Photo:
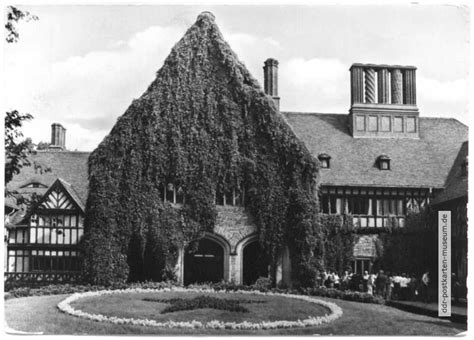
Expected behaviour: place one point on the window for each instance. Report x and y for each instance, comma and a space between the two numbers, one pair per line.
383, 162
54, 261
34, 185
180, 196
18, 235
360, 265
332, 205
324, 160
172, 193
239, 198
360, 123
398, 124
384, 165
411, 124
359, 205
18, 261
385, 124
367, 211
229, 197
373, 122
232, 197
325, 204
219, 198
416, 204
55, 229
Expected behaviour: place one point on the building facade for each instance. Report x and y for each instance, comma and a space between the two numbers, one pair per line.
378, 163
383, 160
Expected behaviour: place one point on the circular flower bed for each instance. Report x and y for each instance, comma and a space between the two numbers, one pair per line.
336, 311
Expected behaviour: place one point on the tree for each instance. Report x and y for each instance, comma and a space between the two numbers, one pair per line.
43, 146
14, 15
16, 149
16, 152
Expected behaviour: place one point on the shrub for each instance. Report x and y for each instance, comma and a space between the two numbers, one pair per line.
262, 284
204, 301
345, 295
229, 286
220, 286
21, 291
58, 289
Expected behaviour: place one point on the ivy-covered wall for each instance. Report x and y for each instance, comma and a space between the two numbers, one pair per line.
338, 240
409, 249
205, 125
412, 248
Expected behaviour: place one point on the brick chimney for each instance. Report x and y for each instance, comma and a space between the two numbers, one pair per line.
270, 80
58, 137
383, 101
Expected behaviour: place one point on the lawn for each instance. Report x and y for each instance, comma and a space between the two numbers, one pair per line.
266, 308
40, 314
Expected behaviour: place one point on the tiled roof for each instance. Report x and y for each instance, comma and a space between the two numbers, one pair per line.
70, 190
456, 185
423, 162
70, 166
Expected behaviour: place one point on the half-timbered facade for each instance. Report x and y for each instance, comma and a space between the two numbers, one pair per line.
42, 240
45, 243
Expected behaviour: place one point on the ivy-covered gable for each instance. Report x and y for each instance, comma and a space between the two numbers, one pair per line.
206, 126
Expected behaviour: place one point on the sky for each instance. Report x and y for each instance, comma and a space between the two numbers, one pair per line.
82, 66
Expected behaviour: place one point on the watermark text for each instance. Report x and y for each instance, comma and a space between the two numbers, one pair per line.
444, 263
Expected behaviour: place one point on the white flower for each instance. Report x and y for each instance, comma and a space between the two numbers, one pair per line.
336, 311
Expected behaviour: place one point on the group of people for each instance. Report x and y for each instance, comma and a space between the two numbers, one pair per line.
388, 285
400, 286
331, 279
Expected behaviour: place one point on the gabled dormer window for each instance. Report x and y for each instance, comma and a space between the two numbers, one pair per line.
34, 185
464, 167
324, 160
383, 162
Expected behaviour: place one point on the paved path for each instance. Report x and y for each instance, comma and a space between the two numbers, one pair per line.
458, 312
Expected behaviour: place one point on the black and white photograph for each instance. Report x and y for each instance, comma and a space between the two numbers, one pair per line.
236, 169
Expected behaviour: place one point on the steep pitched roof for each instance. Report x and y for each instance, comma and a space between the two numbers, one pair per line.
70, 190
70, 166
423, 162
456, 185
64, 189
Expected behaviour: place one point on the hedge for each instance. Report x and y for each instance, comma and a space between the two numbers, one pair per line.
221, 286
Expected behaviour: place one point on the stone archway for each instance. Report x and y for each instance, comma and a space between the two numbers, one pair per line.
205, 260
254, 264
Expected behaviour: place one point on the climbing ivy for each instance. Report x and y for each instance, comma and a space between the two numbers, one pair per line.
412, 248
338, 241
205, 125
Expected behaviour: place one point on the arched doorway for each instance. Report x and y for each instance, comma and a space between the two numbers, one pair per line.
203, 262
254, 263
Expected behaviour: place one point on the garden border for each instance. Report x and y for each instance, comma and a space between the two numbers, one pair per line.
336, 311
